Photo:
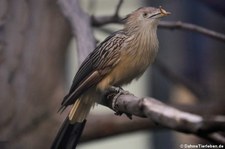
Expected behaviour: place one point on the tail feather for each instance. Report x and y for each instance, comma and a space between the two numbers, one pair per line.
68, 135
79, 111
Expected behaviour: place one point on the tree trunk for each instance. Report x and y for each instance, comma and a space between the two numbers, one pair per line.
33, 40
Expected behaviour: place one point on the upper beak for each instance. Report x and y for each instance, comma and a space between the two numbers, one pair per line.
163, 12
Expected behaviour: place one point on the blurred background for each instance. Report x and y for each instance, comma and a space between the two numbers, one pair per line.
38, 60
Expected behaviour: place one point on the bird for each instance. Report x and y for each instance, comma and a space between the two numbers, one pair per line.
120, 58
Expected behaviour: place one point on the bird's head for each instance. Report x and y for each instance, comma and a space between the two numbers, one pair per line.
144, 18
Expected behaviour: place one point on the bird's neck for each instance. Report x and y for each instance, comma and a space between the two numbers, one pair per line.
145, 41
146, 37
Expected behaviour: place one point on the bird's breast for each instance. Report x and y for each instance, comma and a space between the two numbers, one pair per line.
132, 66
133, 63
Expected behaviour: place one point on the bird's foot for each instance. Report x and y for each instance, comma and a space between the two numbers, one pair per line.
115, 92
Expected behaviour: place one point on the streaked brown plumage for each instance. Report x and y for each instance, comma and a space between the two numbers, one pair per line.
119, 59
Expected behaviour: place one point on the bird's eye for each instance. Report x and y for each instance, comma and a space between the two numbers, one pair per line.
145, 15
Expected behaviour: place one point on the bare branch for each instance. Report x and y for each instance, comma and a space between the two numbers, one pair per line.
99, 21
121, 125
164, 115
193, 28
103, 20
80, 23
118, 8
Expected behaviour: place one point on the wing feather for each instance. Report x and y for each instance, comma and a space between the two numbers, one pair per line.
87, 83
98, 63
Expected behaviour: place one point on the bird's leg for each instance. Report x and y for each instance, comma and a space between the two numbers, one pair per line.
115, 92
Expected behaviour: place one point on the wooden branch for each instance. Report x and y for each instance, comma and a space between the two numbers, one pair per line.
81, 26
118, 8
164, 115
193, 28
98, 21
103, 20
102, 126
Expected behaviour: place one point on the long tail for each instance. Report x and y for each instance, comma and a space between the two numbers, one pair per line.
80, 110
68, 135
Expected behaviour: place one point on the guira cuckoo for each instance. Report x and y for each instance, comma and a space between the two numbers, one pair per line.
120, 58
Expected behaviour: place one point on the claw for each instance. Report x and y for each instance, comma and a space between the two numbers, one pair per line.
119, 91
